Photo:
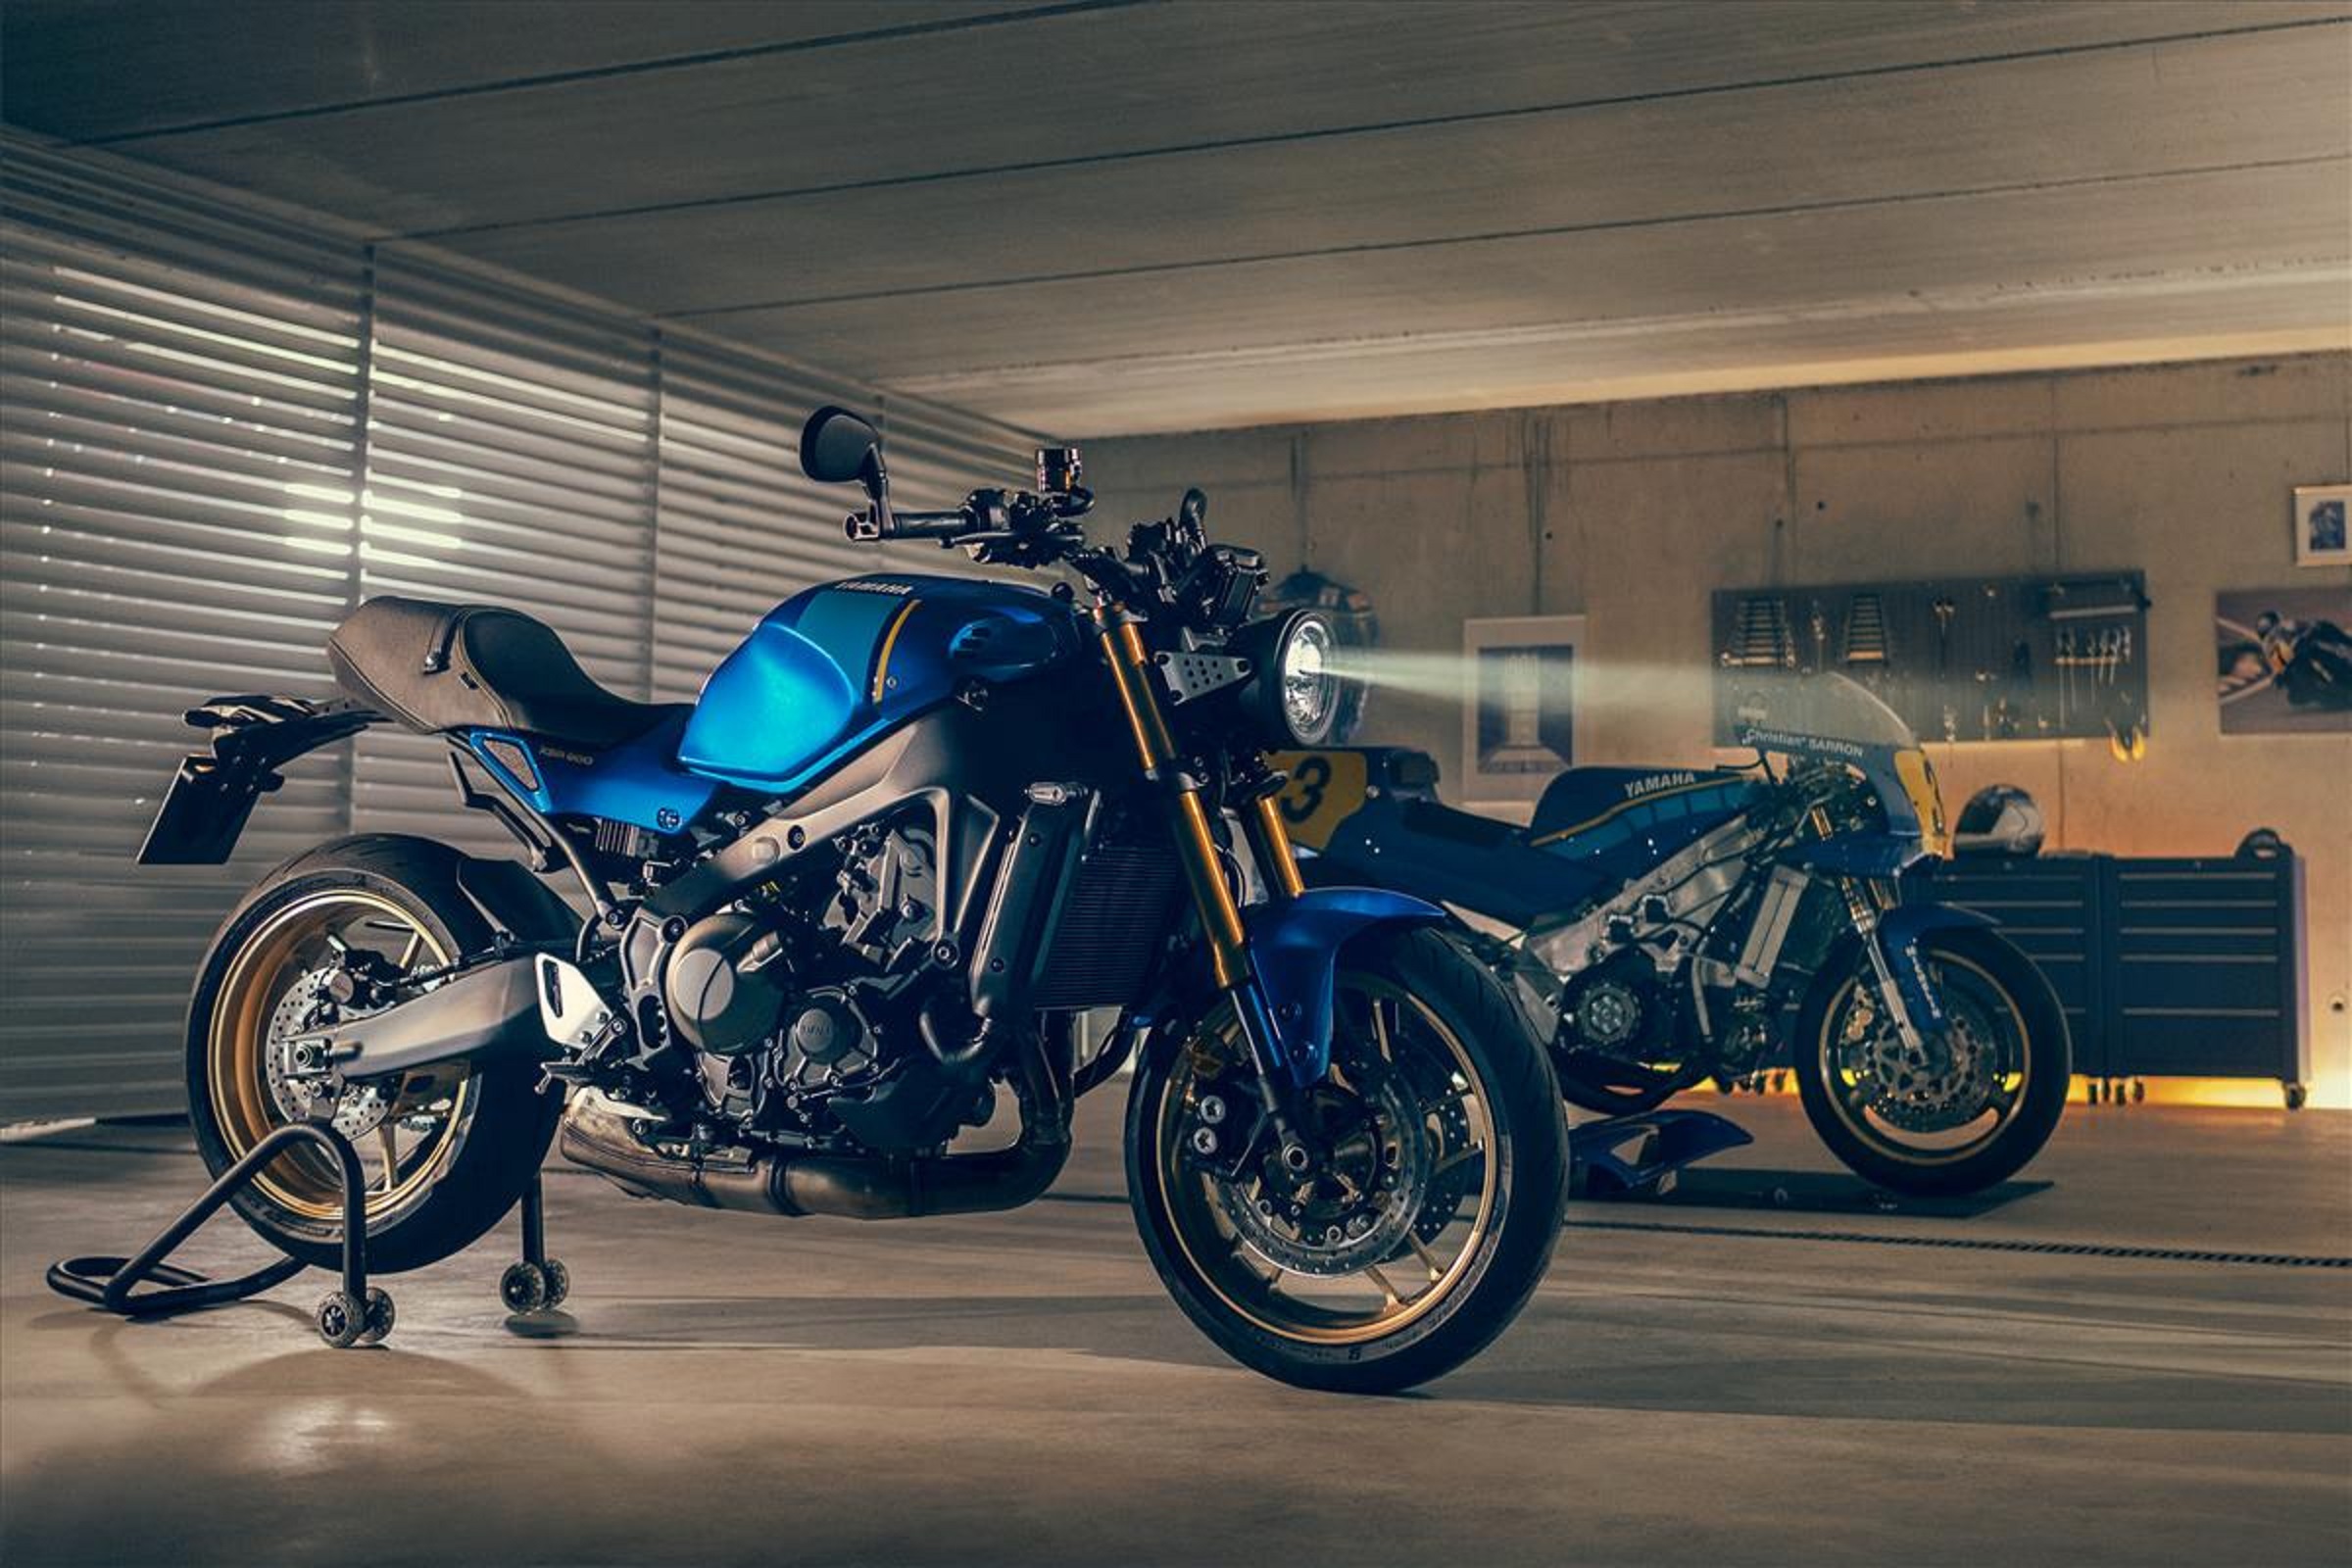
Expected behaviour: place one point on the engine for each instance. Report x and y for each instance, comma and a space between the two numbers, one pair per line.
1619, 1007
1660, 912
827, 1013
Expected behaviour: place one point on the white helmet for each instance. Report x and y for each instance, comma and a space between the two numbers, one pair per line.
1998, 819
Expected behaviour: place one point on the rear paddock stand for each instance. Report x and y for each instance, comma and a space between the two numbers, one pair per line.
355, 1313
1669, 1141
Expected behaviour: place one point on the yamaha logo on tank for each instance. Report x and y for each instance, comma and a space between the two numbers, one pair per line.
1658, 781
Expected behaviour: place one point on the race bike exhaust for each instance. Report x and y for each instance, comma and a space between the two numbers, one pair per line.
600, 1135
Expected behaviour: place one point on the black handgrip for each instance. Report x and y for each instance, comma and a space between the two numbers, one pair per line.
929, 524
864, 529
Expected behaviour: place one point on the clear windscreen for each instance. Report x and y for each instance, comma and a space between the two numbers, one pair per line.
1823, 707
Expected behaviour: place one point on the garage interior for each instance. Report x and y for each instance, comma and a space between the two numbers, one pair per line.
1627, 320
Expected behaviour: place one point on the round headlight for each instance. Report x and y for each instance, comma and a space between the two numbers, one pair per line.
1308, 686
1296, 693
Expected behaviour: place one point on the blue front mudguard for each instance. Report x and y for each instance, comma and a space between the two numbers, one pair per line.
1898, 934
1293, 945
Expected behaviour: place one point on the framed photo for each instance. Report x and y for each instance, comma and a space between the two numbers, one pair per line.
2283, 660
1519, 718
2320, 517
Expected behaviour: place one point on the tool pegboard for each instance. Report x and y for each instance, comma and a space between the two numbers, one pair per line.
1987, 659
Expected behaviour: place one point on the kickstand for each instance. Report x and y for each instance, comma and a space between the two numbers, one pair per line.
355, 1314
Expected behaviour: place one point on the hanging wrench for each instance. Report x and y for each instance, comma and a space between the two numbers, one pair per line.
2066, 674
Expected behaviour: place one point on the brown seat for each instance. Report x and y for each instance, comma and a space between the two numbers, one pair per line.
436, 666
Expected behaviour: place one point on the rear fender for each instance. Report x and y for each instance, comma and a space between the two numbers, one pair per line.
511, 901
517, 902
1294, 947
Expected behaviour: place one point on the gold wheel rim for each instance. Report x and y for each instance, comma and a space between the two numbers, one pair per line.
2011, 1094
302, 1180
1397, 1311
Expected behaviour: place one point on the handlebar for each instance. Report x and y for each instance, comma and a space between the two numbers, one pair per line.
1168, 563
1010, 527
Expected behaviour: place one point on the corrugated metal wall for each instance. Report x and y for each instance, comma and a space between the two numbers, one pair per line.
218, 431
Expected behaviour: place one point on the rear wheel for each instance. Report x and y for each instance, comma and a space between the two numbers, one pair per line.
1432, 1203
445, 1150
1950, 1114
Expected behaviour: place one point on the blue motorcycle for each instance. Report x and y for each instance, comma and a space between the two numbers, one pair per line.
1678, 924
912, 829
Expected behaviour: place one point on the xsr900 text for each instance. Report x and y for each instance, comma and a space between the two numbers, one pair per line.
913, 826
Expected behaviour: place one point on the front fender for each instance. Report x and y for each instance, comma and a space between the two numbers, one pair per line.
1293, 945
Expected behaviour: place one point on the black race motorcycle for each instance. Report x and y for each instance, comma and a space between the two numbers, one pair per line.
911, 829
1682, 924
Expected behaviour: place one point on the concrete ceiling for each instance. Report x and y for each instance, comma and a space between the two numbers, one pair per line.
1124, 215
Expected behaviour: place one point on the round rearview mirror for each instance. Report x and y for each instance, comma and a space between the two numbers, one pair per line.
837, 446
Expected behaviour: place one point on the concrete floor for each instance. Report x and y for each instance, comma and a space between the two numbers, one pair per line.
1703, 1387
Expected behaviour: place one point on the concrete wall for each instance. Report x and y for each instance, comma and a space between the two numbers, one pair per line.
1633, 513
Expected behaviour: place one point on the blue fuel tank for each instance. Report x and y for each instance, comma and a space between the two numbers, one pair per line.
831, 671
1627, 818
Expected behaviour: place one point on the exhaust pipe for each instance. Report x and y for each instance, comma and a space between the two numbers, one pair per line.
600, 1137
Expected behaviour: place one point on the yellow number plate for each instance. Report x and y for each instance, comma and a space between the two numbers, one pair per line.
1324, 790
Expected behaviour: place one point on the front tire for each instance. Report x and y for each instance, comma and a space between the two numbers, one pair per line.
1429, 1222
1973, 1109
446, 1150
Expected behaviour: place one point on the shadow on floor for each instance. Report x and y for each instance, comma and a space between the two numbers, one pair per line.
1904, 1363
1813, 1192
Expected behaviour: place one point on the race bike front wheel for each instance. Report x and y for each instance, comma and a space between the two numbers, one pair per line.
1952, 1113
445, 1151
1432, 1203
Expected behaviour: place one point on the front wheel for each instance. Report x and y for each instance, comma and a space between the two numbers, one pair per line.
1428, 1212
1950, 1114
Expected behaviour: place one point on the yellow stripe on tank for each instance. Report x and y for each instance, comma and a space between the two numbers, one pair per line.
1623, 806
890, 639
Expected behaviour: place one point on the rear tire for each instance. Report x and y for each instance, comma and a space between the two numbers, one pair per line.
461, 1175
1461, 1118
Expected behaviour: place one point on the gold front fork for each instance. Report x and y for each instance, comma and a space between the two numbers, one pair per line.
1196, 849
1270, 842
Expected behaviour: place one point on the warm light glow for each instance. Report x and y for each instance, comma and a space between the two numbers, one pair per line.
2231, 1093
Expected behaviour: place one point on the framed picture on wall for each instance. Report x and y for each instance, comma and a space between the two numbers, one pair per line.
1519, 718
2320, 513
2284, 660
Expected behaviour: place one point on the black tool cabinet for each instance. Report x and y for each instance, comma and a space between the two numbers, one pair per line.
2166, 967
